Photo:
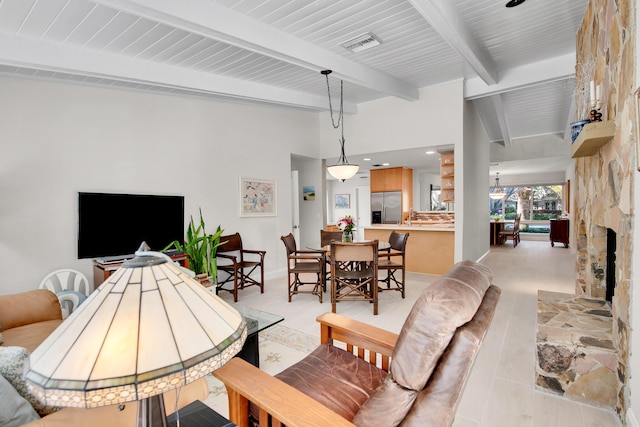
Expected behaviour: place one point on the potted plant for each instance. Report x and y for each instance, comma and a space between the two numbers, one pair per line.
201, 250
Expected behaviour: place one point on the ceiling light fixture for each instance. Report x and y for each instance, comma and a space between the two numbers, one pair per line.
497, 192
362, 42
342, 170
514, 3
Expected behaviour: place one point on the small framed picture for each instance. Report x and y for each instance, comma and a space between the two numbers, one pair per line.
342, 201
309, 192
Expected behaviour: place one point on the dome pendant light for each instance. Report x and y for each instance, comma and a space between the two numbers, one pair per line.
497, 192
342, 170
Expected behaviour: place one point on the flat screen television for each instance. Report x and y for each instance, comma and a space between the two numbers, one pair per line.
111, 225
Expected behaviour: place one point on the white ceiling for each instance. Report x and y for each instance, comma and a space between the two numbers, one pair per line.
518, 64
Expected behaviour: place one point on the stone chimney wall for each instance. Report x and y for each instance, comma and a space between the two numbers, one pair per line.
605, 53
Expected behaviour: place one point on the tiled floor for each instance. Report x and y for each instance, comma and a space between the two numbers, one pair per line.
500, 390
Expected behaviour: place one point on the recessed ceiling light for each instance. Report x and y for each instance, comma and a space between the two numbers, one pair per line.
430, 152
513, 3
385, 164
366, 159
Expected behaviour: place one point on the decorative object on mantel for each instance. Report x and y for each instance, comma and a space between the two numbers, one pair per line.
342, 170
592, 137
595, 101
576, 128
346, 224
148, 329
497, 192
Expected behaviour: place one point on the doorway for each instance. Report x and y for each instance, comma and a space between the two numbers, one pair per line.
363, 211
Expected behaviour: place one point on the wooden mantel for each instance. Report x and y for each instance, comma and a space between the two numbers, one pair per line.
593, 136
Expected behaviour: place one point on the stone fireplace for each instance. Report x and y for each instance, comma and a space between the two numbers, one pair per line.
603, 184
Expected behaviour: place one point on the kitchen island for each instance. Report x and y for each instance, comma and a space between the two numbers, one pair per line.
429, 247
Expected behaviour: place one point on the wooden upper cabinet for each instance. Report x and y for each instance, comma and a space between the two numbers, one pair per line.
391, 179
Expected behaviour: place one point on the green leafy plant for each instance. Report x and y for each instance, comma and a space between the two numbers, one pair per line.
200, 248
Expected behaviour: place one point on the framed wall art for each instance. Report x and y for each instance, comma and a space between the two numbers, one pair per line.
342, 201
258, 197
309, 192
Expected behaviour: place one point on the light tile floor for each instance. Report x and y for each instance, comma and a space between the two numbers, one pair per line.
500, 391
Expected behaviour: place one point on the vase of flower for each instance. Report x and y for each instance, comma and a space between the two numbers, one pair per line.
346, 224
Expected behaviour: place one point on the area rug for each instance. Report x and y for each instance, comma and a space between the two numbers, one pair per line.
280, 347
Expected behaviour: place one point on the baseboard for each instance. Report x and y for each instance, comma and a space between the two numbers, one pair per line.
483, 256
632, 421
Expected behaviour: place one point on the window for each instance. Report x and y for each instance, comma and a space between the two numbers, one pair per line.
537, 204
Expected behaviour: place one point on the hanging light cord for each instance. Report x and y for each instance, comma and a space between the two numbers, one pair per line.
340, 123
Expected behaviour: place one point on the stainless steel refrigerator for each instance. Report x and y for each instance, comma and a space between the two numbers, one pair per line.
386, 208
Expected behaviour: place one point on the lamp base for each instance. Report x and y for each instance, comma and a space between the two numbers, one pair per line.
151, 412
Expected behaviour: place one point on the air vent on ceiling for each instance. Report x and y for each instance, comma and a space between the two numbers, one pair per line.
362, 42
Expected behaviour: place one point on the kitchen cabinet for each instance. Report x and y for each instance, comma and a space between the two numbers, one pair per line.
398, 179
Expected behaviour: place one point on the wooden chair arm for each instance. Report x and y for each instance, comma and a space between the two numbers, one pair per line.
254, 251
227, 256
358, 337
245, 383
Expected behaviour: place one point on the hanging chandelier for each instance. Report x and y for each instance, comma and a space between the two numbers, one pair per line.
497, 192
342, 170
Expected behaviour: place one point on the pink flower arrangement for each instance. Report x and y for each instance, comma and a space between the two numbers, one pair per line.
346, 224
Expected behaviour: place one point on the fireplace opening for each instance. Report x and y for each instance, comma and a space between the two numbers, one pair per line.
611, 264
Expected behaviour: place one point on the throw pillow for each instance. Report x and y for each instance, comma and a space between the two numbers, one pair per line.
14, 409
13, 361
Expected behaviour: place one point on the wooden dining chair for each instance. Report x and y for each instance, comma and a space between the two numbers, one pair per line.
239, 263
512, 233
354, 272
325, 241
392, 260
302, 265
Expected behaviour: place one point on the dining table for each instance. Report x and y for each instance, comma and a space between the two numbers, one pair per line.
316, 246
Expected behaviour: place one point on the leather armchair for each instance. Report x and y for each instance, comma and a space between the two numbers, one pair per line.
365, 376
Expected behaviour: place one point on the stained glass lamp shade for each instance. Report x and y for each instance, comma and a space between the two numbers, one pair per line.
148, 329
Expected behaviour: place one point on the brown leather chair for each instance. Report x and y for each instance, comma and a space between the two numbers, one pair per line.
354, 272
393, 260
304, 263
513, 233
365, 376
232, 260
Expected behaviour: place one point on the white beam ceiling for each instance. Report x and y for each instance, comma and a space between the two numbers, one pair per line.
558, 68
40, 54
442, 16
220, 23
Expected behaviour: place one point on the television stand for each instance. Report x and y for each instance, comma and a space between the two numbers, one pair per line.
105, 266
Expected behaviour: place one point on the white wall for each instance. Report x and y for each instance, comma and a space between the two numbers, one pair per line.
311, 211
472, 175
58, 139
338, 187
394, 124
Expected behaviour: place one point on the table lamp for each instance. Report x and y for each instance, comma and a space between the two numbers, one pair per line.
148, 329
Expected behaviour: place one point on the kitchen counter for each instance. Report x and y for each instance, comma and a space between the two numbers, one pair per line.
417, 227
429, 247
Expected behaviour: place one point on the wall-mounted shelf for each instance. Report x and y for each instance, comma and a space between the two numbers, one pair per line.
593, 136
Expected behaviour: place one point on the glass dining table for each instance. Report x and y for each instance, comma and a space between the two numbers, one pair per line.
316, 246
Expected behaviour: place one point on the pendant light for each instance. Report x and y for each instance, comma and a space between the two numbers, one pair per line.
342, 170
497, 192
